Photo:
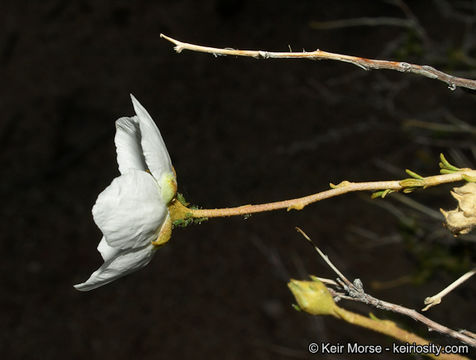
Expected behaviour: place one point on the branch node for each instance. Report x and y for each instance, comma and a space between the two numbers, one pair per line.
263, 54
404, 67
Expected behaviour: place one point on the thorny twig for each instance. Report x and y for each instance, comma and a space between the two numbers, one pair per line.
364, 63
355, 291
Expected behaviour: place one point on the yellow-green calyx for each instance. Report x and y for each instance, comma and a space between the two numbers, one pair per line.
313, 297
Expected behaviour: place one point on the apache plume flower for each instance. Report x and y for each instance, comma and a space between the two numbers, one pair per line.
132, 212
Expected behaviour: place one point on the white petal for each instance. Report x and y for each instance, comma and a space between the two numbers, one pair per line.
130, 210
153, 146
129, 149
123, 263
107, 252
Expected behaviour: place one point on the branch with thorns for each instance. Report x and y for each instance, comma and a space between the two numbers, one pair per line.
366, 64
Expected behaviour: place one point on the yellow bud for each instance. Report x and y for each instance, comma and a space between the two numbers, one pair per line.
313, 297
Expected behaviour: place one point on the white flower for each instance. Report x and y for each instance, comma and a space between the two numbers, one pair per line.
132, 212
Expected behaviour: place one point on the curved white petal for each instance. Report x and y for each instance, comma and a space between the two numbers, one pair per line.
107, 252
153, 147
123, 263
130, 210
128, 146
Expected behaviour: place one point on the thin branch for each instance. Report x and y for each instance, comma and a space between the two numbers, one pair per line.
432, 325
325, 258
327, 281
469, 333
179, 211
436, 299
367, 64
355, 291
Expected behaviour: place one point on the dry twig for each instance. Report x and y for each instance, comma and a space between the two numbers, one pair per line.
367, 64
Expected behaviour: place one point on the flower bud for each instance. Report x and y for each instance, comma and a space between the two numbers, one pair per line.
313, 297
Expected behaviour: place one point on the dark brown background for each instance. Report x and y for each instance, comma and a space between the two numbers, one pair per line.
239, 131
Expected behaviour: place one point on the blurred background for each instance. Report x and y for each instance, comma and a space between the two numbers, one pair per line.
239, 131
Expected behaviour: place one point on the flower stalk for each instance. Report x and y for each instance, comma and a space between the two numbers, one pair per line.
180, 211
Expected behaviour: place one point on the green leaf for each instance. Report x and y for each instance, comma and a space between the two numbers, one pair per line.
445, 165
414, 174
